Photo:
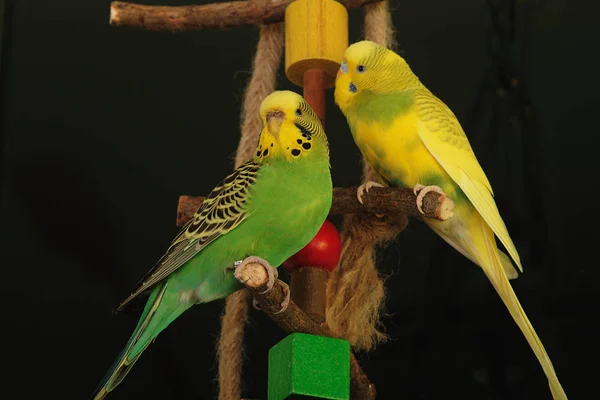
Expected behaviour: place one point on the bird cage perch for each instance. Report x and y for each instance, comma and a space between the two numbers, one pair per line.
345, 302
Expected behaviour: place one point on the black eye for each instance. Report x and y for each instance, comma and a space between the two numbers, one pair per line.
361, 68
298, 112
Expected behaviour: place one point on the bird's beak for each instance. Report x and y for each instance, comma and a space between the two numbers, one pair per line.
343, 69
274, 121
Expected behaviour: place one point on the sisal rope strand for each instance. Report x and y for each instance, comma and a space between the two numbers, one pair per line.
262, 82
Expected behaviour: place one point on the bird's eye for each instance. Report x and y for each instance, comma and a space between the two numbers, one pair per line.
361, 68
298, 112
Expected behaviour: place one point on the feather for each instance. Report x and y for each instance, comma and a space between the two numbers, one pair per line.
491, 264
223, 209
509, 269
412, 137
125, 361
445, 139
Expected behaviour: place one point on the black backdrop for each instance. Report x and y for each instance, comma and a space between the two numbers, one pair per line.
103, 128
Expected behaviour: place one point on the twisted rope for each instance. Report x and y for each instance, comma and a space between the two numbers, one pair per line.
262, 82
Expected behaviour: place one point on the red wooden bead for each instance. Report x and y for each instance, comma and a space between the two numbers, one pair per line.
323, 251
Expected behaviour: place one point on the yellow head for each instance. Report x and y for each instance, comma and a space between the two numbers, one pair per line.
291, 129
370, 68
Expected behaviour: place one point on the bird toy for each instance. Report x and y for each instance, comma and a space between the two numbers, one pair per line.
331, 307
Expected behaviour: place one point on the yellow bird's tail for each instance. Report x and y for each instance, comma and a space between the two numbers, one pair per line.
489, 259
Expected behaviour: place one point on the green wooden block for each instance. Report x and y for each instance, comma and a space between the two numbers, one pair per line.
309, 366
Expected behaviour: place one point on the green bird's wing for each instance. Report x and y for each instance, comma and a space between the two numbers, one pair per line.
222, 210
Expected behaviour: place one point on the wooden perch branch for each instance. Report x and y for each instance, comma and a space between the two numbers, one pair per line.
293, 319
216, 15
379, 200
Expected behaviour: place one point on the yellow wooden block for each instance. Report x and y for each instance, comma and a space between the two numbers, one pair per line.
316, 36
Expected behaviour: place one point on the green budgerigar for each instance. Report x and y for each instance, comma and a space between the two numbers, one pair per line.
412, 139
266, 210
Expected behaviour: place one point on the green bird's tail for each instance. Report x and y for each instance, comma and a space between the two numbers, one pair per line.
138, 342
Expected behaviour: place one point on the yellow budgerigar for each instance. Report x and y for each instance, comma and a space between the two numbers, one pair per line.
412, 139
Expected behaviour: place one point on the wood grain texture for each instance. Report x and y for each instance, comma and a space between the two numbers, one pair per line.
316, 37
293, 319
314, 91
210, 16
386, 201
308, 285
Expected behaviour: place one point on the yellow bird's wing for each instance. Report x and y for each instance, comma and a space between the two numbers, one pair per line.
509, 269
445, 139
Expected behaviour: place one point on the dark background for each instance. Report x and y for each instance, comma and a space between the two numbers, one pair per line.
103, 128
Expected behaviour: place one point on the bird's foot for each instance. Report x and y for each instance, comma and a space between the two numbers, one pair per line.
286, 300
271, 272
365, 188
421, 190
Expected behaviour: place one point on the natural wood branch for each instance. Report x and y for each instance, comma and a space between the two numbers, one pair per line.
216, 15
293, 319
308, 285
379, 200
